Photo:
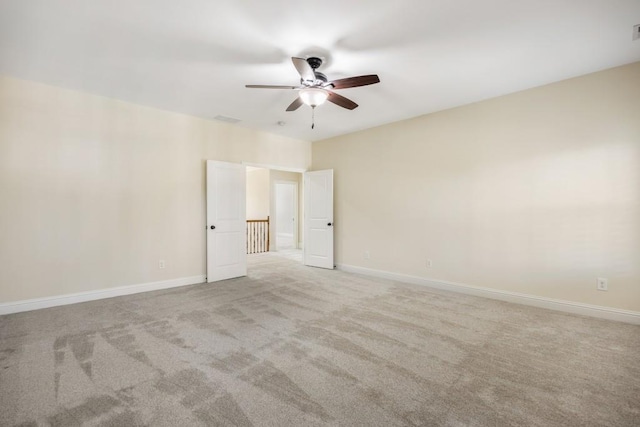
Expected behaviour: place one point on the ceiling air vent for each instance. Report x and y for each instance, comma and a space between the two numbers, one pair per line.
226, 119
636, 32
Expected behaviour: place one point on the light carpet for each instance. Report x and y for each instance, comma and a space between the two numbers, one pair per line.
296, 346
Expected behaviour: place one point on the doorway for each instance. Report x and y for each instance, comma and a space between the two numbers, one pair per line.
275, 196
232, 200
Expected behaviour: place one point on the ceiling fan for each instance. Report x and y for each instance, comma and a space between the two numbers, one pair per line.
315, 89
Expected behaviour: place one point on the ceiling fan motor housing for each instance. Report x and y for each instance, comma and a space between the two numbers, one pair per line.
320, 76
315, 62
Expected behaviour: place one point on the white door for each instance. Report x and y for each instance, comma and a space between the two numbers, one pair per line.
226, 221
318, 218
286, 195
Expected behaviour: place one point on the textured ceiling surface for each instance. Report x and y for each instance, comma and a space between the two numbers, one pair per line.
195, 56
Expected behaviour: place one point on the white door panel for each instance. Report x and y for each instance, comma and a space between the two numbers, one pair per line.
226, 221
318, 190
286, 207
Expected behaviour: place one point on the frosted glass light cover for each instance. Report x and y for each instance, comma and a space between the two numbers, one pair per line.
313, 96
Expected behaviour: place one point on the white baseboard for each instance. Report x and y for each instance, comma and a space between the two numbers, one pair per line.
38, 303
609, 313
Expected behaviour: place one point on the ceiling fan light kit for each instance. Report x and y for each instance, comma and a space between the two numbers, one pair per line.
313, 96
315, 89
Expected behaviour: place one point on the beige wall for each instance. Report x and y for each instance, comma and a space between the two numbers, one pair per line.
94, 191
274, 176
257, 193
536, 192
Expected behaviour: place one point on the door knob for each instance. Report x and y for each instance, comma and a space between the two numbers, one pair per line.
213, 227
329, 224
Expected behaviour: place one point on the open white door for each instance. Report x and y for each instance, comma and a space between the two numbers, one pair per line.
226, 221
318, 218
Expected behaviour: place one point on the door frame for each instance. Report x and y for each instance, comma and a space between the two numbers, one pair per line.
296, 213
275, 167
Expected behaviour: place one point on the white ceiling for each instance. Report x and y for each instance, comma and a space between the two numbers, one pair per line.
195, 56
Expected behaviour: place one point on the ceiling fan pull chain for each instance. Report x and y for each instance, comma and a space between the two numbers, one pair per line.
313, 117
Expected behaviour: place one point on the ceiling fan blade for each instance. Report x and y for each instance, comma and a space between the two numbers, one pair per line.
295, 104
355, 81
303, 67
341, 101
271, 87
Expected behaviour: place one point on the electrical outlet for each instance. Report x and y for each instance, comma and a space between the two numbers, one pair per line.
603, 284
161, 264
367, 255
429, 263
